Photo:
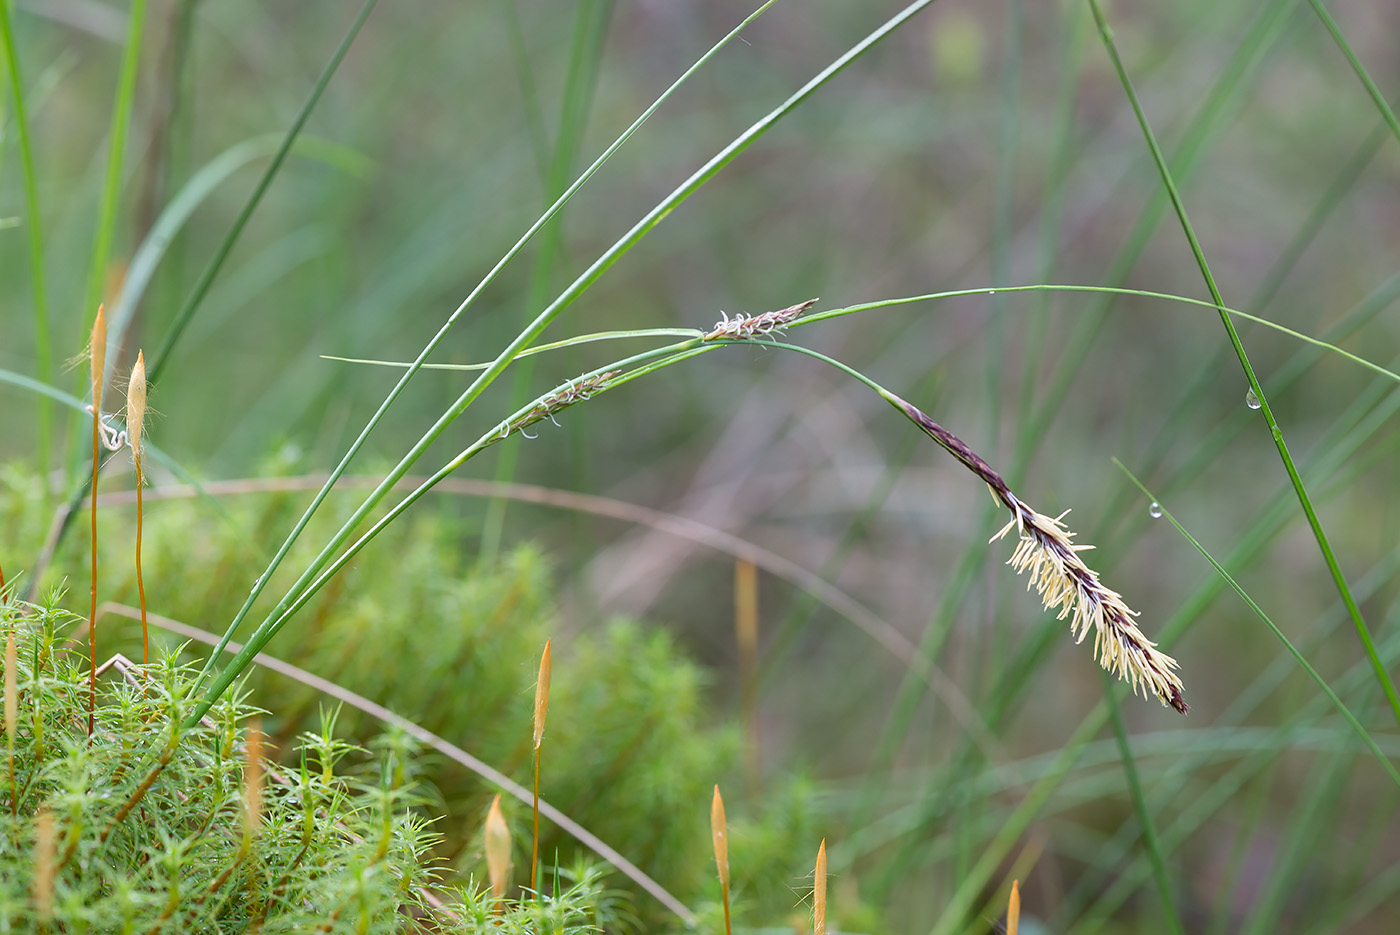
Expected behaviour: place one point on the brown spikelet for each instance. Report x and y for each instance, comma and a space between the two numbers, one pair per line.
575, 391
97, 353
135, 416
41, 888
252, 783
1013, 909
11, 715
819, 892
497, 849
742, 326
1064, 582
541, 710
719, 831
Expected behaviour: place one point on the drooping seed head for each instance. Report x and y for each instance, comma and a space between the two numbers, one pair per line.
1045, 551
497, 848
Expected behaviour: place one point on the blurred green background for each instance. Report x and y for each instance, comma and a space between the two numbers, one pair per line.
979, 145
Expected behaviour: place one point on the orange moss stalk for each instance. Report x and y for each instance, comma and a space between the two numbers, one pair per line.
718, 829
11, 716
497, 851
541, 709
1013, 909
819, 892
97, 359
135, 415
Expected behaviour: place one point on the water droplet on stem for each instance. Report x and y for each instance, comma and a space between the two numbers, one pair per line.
1251, 400
1155, 510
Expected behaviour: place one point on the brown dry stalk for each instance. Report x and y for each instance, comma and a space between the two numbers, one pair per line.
719, 831
1013, 909
819, 892
541, 710
497, 850
742, 326
97, 360
42, 886
746, 635
135, 416
1064, 582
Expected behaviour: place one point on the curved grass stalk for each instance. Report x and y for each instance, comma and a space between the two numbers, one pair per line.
537, 349
1337, 702
1325, 546
477, 386
1387, 114
1062, 579
1142, 293
323, 569
527, 336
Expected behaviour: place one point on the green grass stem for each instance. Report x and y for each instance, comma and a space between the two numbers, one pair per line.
542, 321
33, 217
1333, 567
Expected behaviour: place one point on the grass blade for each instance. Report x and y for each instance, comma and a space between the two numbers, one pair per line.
1333, 567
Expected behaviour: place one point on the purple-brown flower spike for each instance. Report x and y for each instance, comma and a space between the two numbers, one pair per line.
1064, 582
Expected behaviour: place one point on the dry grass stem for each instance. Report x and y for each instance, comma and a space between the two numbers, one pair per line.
1064, 582
135, 416
1013, 909
746, 635
719, 830
819, 892
742, 326
497, 849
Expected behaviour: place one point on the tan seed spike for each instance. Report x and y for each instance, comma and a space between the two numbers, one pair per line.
11, 717
497, 849
136, 402
11, 691
542, 695
819, 893
97, 357
1013, 909
721, 836
252, 783
42, 886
